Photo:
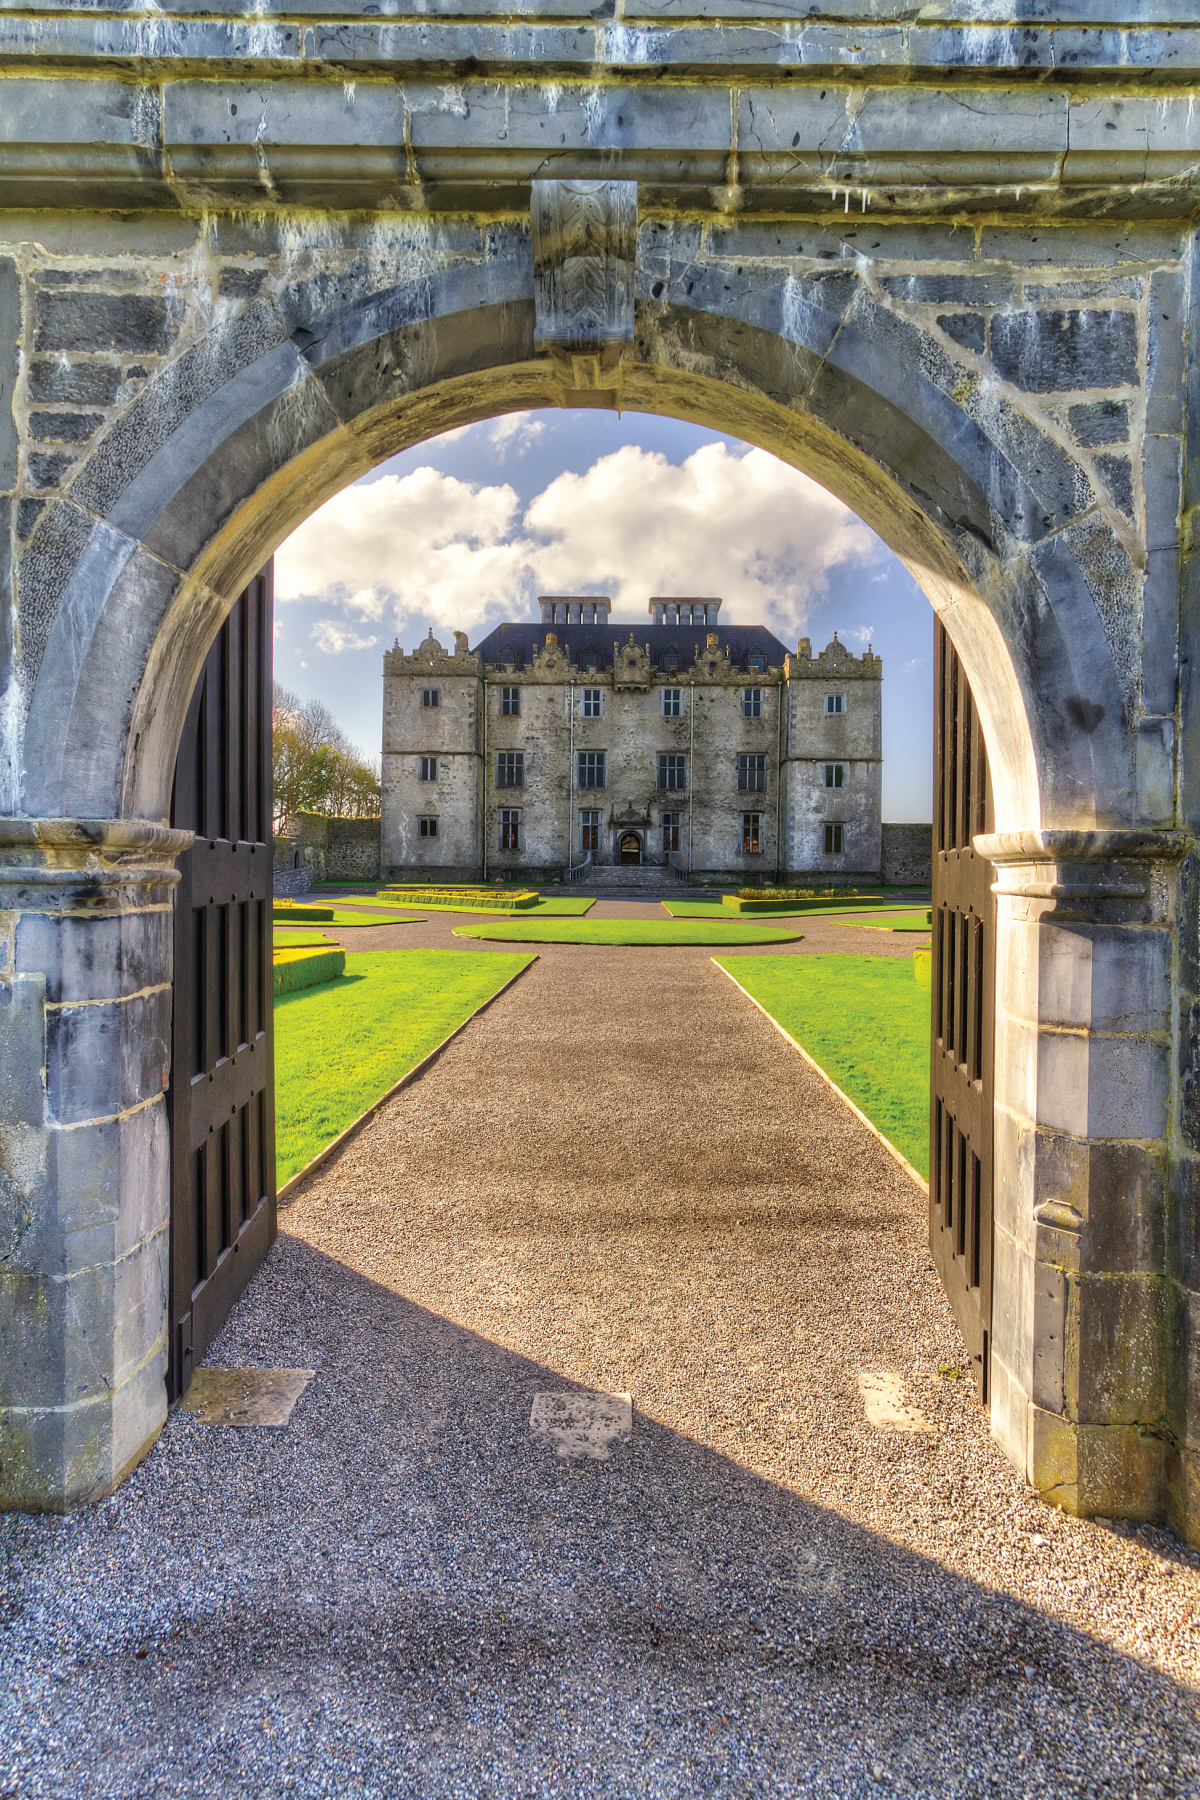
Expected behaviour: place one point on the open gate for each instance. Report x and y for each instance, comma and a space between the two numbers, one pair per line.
222, 1096
963, 1024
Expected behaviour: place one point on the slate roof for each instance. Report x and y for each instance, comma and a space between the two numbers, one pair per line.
525, 639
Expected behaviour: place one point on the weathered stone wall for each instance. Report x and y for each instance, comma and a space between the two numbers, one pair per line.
851, 741
333, 849
907, 855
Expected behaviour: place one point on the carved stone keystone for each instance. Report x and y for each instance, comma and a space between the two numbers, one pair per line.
584, 252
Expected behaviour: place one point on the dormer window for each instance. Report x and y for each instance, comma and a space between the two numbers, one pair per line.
508, 661
757, 664
589, 662
670, 661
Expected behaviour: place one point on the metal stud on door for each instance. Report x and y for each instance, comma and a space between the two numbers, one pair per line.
963, 1022
222, 1098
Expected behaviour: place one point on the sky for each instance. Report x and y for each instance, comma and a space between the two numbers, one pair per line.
468, 528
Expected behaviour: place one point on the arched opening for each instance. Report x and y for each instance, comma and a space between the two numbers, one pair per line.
631, 848
278, 431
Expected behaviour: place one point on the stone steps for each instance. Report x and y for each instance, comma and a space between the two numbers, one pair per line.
628, 875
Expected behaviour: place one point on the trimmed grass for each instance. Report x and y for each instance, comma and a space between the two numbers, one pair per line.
713, 909
622, 931
297, 938
548, 907
865, 1019
340, 1046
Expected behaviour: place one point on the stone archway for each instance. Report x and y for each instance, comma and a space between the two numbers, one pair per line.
293, 372
629, 849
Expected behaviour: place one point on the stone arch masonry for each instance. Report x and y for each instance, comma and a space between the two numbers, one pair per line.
943, 258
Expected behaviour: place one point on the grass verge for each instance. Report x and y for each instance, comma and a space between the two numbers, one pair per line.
622, 931
340, 1046
865, 1020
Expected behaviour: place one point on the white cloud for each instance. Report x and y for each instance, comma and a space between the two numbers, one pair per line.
429, 546
333, 638
516, 431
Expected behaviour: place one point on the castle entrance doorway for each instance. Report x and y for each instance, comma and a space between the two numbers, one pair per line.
631, 848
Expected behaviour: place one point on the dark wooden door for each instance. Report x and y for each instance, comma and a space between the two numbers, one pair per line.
963, 1026
222, 1098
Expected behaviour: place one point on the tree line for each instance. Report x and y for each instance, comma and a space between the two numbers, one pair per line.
314, 765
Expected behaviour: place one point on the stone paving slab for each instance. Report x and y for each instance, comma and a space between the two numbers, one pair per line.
618, 1181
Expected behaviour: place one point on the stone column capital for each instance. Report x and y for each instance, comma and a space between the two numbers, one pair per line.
1007, 847
1080, 868
88, 854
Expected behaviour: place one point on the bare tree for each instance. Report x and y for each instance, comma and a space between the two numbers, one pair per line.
315, 766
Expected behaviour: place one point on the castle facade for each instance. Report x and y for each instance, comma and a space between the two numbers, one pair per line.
678, 741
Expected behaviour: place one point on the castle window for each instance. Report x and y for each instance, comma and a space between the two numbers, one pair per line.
589, 831
508, 660
670, 661
427, 828
672, 771
589, 662
835, 703
751, 834
752, 774
510, 828
672, 702
751, 703
510, 703
429, 768
510, 769
835, 775
834, 840
593, 703
430, 696
670, 832
757, 664
591, 768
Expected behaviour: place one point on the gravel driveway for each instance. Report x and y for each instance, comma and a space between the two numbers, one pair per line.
620, 1178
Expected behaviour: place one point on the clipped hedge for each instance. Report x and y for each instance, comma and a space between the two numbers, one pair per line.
800, 903
301, 915
294, 969
452, 899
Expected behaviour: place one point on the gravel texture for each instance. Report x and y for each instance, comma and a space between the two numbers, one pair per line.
619, 1177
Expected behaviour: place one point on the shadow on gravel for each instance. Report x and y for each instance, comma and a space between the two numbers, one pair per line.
402, 1595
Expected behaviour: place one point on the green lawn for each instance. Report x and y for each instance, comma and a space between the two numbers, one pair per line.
340, 1046
866, 1021
712, 909
622, 931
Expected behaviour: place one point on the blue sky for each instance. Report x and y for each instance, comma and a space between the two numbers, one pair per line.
467, 529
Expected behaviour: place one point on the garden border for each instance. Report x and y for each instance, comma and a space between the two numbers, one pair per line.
284, 1195
813, 1064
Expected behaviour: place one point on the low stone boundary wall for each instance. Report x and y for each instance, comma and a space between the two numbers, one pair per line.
907, 855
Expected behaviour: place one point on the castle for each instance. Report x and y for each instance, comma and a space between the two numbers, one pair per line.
682, 741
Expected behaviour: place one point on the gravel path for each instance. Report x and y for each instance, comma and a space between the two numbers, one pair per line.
619, 1177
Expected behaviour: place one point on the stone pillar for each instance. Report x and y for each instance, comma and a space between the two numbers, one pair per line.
1087, 1366
85, 1021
